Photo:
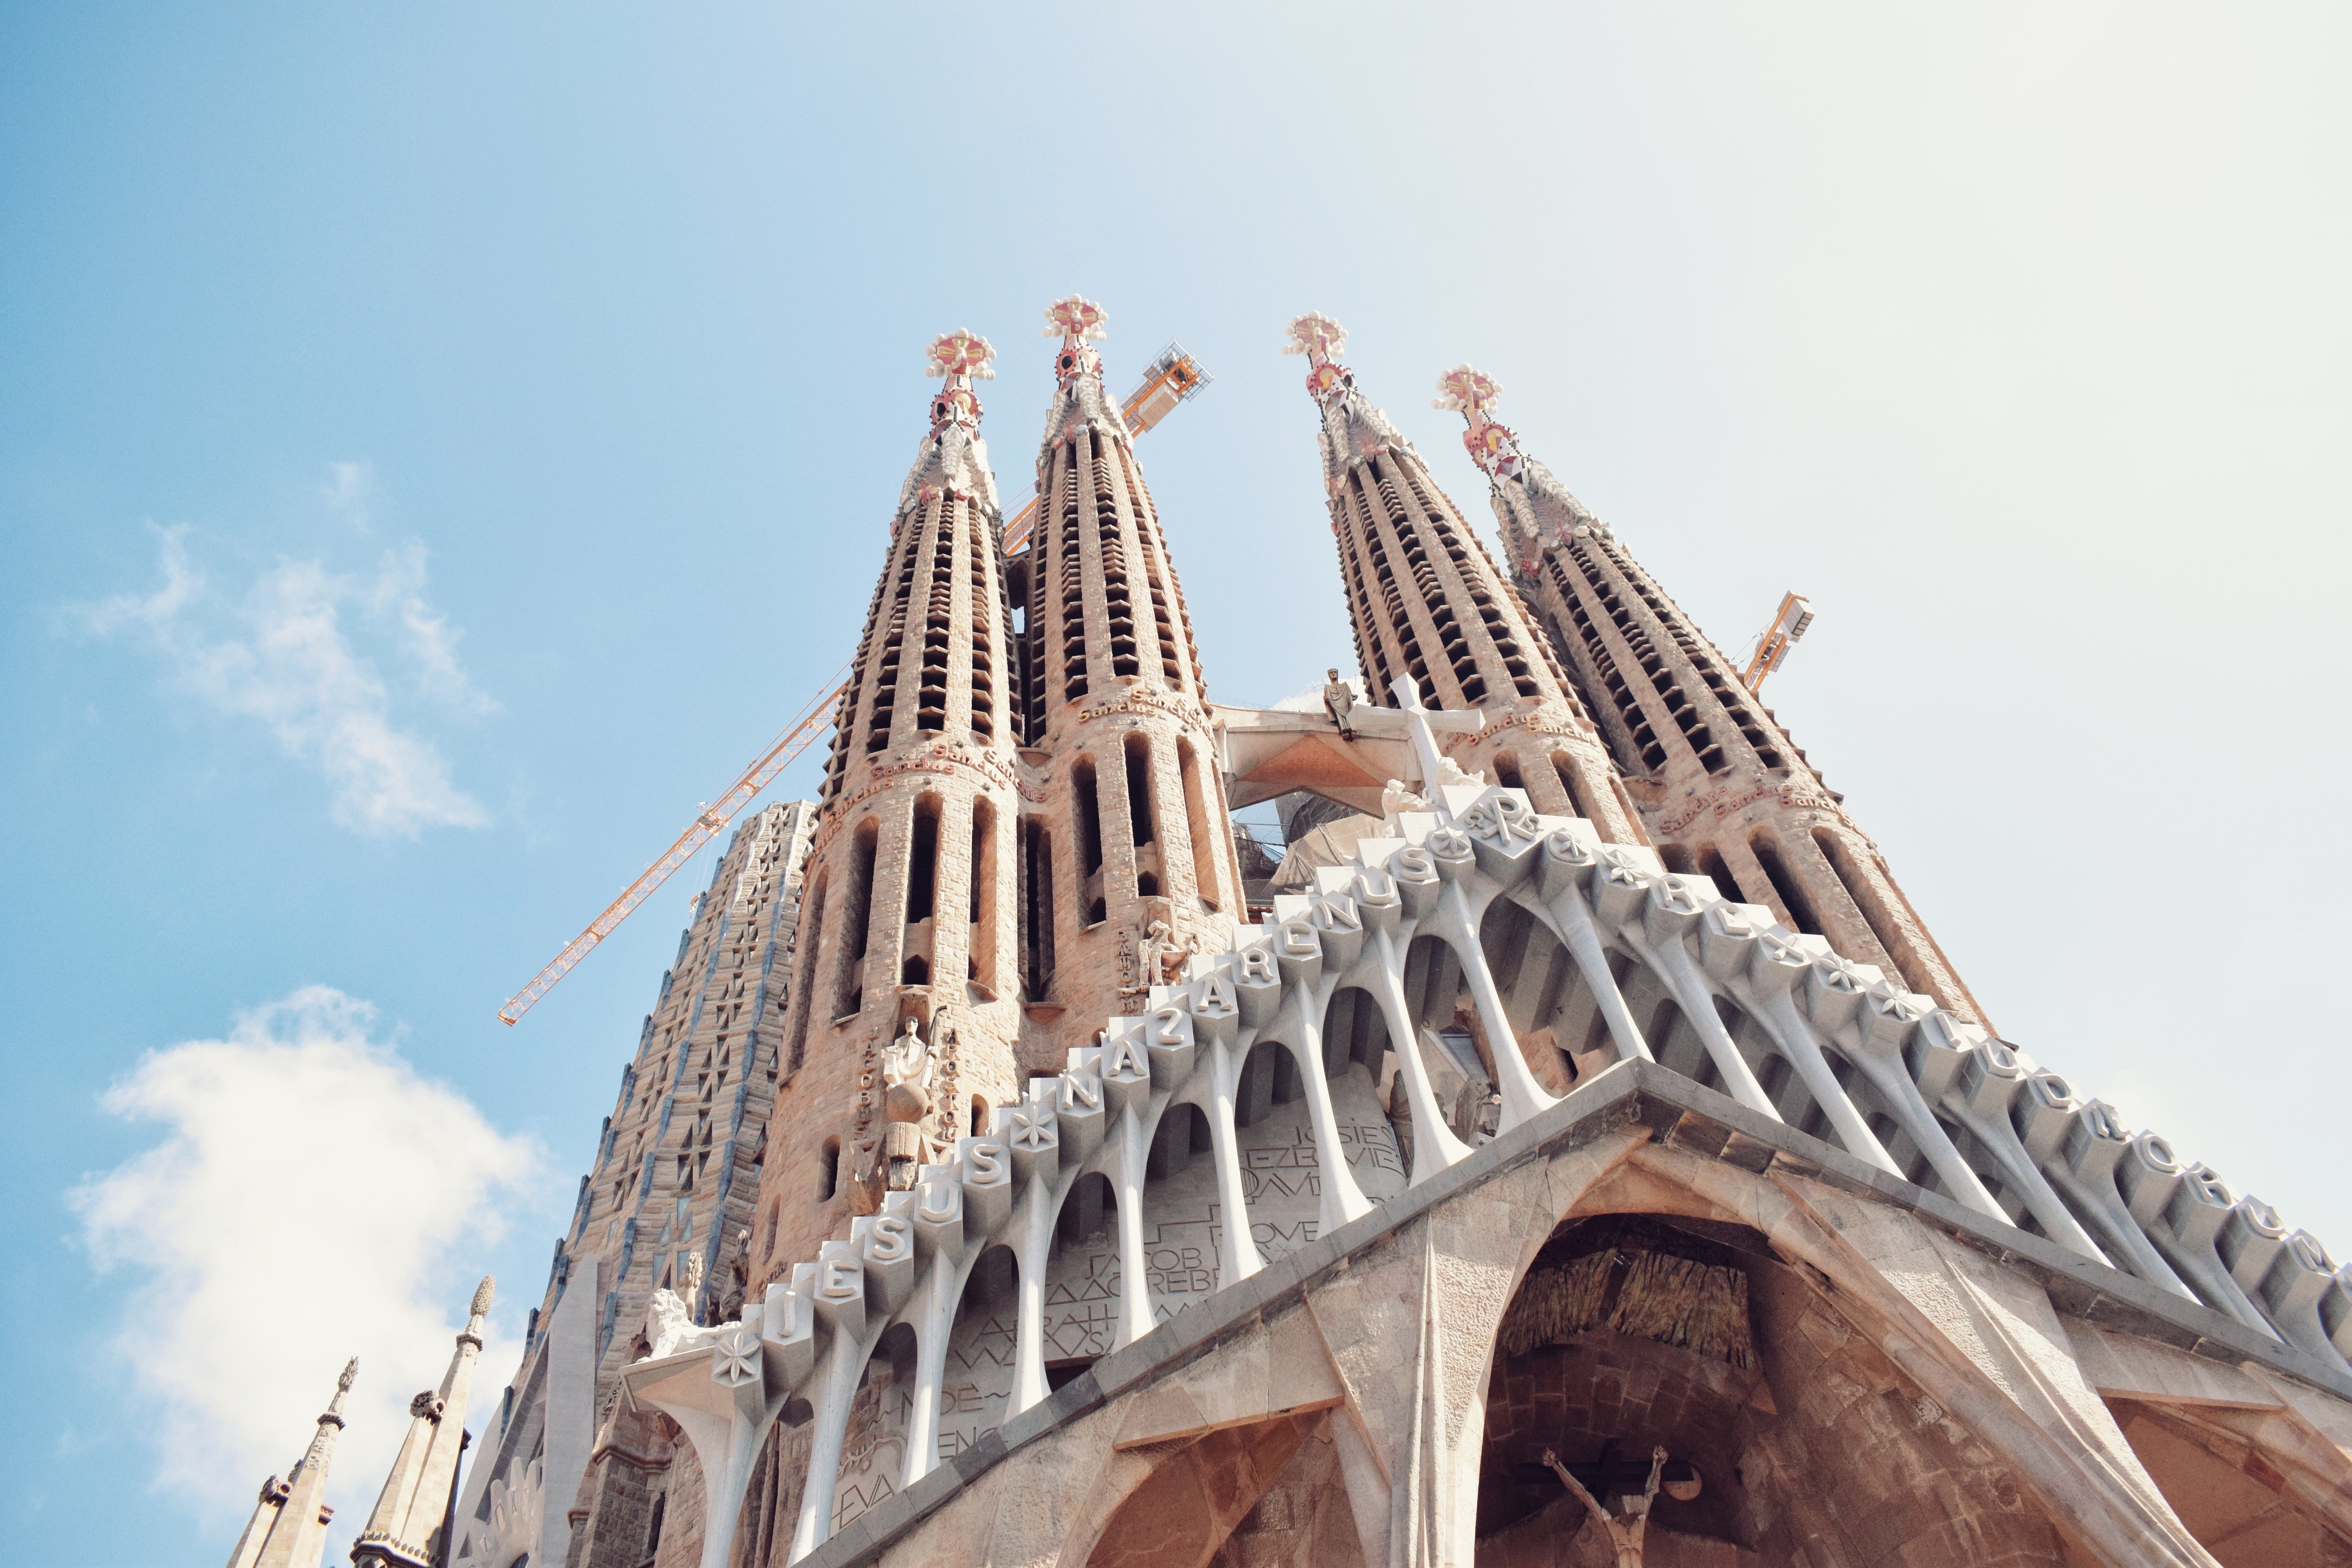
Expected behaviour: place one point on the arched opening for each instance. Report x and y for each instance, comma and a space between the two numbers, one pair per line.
1037, 909
980, 1116
2199, 1458
1799, 908
1366, 1099
1677, 1045
1355, 1032
1085, 807
1208, 873
849, 980
982, 1350
828, 1170
1865, 895
1544, 999
1140, 817
1084, 1282
1580, 799
1182, 1133
1506, 772
1634, 1332
1269, 1077
1711, 866
873, 1450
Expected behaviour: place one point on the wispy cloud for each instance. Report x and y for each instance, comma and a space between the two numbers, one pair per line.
283, 652
303, 1205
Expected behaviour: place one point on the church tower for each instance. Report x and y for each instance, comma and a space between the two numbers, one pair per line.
407, 1528
1130, 861
1722, 789
1427, 602
908, 902
288, 1526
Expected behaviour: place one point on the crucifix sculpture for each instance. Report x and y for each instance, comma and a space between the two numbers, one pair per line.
1624, 1535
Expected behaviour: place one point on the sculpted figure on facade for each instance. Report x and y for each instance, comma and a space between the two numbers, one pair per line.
908, 1072
1625, 1534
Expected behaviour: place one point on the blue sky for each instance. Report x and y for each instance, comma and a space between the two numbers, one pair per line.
439, 446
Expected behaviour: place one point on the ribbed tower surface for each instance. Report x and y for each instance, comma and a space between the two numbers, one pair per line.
1127, 854
909, 897
1427, 602
1722, 789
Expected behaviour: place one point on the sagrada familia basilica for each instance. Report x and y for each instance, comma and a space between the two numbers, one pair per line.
1579, 1153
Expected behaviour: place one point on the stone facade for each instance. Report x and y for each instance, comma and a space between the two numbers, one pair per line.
1542, 1128
1127, 852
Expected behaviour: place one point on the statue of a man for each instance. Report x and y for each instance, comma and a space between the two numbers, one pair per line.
1624, 1536
907, 1073
1340, 700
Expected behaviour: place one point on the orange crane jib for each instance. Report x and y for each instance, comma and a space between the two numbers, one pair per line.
705, 827
1773, 643
1170, 380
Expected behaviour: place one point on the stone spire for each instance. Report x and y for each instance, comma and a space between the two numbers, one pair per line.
1721, 788
1131, 864
406, 1530
1428, 603
289, 1528
908, 897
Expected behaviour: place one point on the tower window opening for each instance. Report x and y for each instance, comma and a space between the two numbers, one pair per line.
1711, 866
1874, 913
1792, 896
923, 860
849, 985
1086, 808
828, 1170
1036, 909
1140, 813
1579, 799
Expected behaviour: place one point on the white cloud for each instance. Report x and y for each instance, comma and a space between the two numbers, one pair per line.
282, 654
313, 1199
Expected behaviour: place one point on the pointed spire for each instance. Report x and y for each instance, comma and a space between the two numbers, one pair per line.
1533, 507
1079, 397
1353, 429
952, 459
288, 1526
406, 1527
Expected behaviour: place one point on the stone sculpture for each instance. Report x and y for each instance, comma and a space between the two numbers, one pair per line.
1624, 1535
1340, 700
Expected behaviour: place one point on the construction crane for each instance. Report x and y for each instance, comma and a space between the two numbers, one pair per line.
714, 817
1773, 643
1170, 380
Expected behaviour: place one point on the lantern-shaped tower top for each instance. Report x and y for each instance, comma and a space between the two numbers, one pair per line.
1079, 397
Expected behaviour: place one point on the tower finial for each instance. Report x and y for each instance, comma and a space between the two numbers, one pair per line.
1078, 321
1491, 445
962, 353
1316, 336
1321, 339
1075, 319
